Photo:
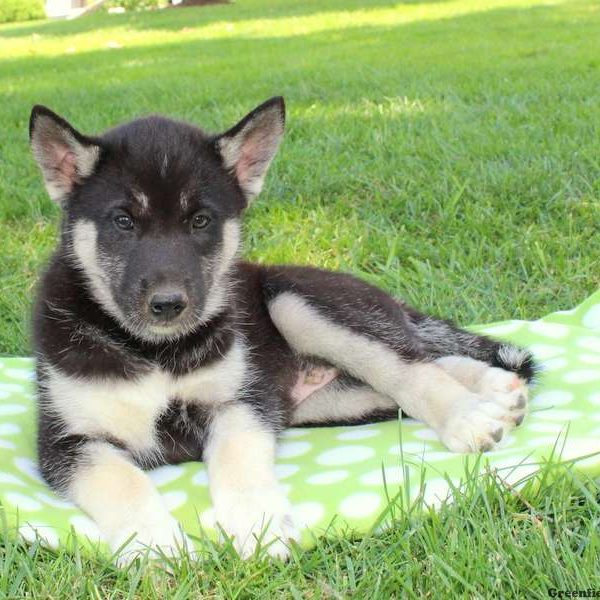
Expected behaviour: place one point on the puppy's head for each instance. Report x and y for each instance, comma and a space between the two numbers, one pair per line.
152, 210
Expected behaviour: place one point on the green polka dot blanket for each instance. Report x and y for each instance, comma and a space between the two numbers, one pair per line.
344, 475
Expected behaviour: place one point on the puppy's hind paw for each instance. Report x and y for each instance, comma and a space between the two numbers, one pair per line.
480, 426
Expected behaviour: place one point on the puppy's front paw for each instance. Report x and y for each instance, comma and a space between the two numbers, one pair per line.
259, 516
159, 535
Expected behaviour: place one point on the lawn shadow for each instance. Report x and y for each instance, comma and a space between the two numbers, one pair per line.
185, 17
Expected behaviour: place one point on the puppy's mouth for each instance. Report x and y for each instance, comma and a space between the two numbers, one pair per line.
144, 327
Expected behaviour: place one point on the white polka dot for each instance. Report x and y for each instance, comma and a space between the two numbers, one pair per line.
595, 398
393, 476
27, 466
167, 474
410, 448
408, 422
327, 477
208, 519
54, 501
200, 478
558, 415
577, 447
591, 318
10, 478
12, 387
554, 364
292, 449
284, 471
345, 455
12, 409
515, 473
545, 427
545, 442
427, 434
84, 526
294, 433
23, 374
9, 429
360, 504
503, 328
589, 359
438, 456
545, 351
22, 502
8, 445
507, 442
173, 500
552, 398
551, 330
582, 376
589, 343
435, 492
32, 532
358, 434
308, 514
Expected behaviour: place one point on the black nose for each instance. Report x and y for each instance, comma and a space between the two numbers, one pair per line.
167, 306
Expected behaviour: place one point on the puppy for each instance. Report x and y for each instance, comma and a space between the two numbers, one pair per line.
155, 344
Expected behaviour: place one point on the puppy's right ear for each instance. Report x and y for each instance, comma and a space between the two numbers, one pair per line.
64, 155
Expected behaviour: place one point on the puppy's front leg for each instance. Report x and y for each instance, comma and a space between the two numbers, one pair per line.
124, 503
249, 504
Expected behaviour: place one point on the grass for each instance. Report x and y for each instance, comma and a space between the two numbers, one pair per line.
490, 543
448, 151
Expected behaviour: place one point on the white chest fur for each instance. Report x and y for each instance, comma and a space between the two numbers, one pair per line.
127, 409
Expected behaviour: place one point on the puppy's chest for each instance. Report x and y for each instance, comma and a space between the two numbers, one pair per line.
155, 411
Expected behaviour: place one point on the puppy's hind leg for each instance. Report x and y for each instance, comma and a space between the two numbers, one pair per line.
464, 420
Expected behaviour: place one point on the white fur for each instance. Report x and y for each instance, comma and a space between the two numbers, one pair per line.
142, 200
217, 295
85, 250
249, 504
464, 420
123, 502
333, 403
128, 409
164, 166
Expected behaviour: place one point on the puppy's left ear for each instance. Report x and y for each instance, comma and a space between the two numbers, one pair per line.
248, 148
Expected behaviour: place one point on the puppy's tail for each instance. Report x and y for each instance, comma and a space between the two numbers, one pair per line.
442, 338
515, 359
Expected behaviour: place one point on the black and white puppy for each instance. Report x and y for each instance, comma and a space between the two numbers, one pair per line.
156, 344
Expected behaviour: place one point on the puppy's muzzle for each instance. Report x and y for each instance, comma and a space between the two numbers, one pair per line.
167, 306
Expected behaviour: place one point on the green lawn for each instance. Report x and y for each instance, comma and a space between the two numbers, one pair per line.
448, 151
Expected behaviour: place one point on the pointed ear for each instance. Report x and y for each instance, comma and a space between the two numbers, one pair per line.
248, 148
64, 155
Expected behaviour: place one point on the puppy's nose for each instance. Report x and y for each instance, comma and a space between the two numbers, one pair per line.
166, 306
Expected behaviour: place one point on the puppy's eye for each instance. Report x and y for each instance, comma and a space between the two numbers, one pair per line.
200, 221
124, 222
